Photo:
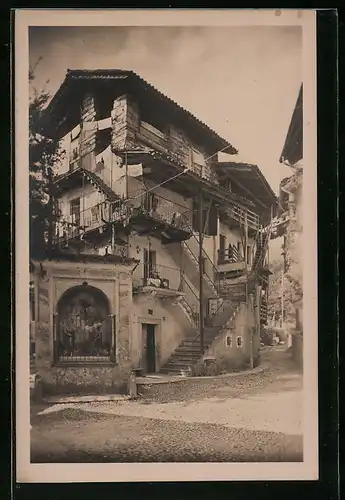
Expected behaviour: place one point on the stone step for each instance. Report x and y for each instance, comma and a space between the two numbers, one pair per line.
187, 349
184, 358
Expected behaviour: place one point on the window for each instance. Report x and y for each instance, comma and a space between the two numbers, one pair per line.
75, 206
150, 270
151, 202
239, 341
222, 250
249, 255
210, 217
74, 154
228, 341
239, 248
85, 329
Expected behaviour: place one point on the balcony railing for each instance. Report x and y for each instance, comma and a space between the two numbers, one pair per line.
94, 217
229, 255
161, 209
243, 216
157, 276
150, 206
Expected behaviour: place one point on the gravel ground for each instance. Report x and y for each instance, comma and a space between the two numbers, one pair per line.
78, 436
240, 419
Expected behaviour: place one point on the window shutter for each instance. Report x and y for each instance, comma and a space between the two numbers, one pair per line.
212, 226
195, 217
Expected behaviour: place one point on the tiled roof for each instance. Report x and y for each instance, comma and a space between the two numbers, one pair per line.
131, 76
93, 178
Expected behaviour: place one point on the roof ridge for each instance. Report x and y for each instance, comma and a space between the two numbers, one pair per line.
131, 73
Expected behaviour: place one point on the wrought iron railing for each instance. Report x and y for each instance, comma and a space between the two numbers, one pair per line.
155, 207
191, 301
79, 340
90, 218
162, 209
156, 276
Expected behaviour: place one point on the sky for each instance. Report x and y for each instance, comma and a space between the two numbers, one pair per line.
241, 81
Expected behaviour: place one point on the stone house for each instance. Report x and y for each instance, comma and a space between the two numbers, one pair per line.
291, 203
159, 254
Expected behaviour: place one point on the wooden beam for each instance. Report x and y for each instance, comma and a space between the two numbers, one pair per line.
239, 184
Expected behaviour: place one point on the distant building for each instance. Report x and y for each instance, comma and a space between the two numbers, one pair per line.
290, 220
159, 253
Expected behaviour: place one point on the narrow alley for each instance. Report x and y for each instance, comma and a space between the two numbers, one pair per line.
254, 417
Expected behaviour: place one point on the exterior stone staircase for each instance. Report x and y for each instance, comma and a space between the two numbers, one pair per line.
188, 352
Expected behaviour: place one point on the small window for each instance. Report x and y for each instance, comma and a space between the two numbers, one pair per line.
228, 341
239, 341
75, 210
151, 202
249, 255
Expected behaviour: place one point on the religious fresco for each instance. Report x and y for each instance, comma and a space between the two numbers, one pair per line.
84, 325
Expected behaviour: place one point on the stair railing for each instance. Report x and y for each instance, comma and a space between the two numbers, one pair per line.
194, 314
215, 283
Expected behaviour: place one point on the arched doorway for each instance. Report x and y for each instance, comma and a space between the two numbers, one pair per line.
85, 327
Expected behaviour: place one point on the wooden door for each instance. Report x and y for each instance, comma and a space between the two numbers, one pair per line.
149, 348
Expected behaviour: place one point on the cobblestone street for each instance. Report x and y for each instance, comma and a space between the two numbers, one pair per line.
254, 417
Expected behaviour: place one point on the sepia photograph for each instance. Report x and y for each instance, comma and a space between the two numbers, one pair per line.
165, 218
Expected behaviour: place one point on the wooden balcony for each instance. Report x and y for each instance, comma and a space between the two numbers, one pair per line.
91, 224
230, 260
243, 216
161, 218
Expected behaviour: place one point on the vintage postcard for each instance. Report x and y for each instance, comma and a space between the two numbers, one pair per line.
166, 260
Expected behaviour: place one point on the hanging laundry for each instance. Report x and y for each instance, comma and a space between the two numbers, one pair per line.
95, 210
105, 156
74, 149
135, 170
75, 132
104, 124
89, 126
88, 162
100, 165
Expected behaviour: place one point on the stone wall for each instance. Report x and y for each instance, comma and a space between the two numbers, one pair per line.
52, 280
125, 123
237, 344
171, 327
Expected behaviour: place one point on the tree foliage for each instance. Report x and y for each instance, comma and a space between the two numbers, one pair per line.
44, 154
290, 286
